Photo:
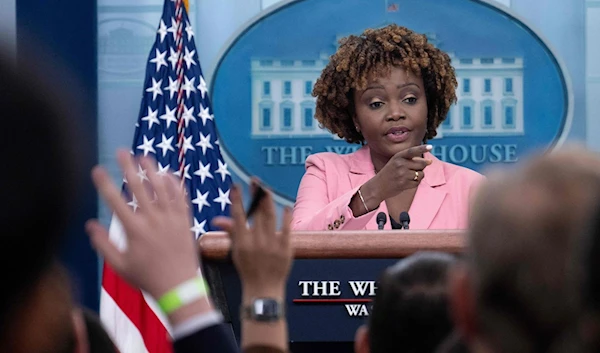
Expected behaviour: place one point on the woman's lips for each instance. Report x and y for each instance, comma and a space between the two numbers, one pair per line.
397, 134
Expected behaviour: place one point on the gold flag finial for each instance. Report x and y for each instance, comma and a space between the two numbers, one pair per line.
187, 6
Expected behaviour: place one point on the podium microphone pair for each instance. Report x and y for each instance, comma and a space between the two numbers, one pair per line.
404, 220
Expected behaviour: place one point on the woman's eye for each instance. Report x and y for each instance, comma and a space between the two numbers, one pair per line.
411, 100
376, 105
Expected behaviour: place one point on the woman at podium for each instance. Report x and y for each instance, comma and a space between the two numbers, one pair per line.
388, 89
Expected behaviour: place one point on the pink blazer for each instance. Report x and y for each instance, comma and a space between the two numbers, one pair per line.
441, 201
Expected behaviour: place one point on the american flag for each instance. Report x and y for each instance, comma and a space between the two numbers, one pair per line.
175, 126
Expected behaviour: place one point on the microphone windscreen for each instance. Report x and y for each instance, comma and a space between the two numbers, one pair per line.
381, 218
404, 217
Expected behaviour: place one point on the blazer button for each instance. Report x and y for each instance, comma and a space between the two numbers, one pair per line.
330, 227
342, 219
336, 224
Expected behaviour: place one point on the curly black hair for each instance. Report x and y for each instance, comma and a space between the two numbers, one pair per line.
374, 53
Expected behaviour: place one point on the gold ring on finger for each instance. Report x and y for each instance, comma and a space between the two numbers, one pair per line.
416, 178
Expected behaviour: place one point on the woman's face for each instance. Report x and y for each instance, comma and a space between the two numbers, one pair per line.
391, 112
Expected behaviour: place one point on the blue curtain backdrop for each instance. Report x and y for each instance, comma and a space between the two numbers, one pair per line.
66, 32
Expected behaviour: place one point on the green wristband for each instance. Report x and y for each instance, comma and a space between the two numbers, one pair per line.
185, 293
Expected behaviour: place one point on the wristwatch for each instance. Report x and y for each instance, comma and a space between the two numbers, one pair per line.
263, 309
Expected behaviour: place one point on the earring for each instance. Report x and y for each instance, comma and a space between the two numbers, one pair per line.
357, 128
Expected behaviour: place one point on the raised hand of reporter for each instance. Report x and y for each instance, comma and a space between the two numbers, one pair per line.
263, 259
261, 255
160, 251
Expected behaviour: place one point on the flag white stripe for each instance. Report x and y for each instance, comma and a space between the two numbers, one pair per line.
123, 332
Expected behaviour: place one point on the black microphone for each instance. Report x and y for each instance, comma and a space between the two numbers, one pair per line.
404, 219
381, 219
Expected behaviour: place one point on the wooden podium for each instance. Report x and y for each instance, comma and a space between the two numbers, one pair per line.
332, 279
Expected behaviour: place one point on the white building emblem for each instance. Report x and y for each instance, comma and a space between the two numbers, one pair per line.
489, 98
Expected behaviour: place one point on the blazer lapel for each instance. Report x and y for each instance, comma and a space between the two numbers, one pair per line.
429, 197
361, 167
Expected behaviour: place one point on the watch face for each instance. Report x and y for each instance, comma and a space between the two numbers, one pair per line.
266, 309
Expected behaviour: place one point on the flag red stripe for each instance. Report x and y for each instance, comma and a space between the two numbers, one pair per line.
131, 301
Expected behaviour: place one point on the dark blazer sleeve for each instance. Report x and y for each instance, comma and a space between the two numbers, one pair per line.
216, 338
